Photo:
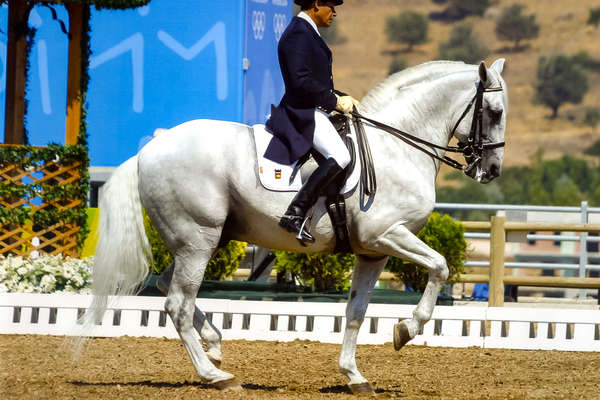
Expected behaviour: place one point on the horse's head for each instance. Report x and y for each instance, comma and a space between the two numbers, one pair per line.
483, 139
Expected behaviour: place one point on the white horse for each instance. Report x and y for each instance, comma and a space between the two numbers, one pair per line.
199, 185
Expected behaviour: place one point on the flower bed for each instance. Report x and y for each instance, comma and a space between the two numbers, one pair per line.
45, 274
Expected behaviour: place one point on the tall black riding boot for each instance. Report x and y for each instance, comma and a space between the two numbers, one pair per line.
293, 220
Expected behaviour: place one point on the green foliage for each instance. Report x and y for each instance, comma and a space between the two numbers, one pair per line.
593, 149
408, 27
225, 261
161, 256
565, 181
594, 18
592, 117
584, 60
223, 264
462, 46
559, 80
470, 7
459, 9
445, 236
514, 26
332, 36
322, 271
397, 65
48, 192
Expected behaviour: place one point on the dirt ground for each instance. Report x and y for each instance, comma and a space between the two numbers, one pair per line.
40, 367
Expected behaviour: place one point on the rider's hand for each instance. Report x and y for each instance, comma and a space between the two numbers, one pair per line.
345, 104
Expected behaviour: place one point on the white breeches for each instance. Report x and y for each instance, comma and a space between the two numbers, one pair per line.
328, 142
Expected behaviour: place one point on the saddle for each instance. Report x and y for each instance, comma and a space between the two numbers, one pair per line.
335, 203
278, 177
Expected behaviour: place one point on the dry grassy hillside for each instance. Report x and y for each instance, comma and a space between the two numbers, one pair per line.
364, 58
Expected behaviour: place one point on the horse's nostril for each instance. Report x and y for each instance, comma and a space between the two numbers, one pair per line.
494, 170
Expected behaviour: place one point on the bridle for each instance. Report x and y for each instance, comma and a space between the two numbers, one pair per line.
472, 150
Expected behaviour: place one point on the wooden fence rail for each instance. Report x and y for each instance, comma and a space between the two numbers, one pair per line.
498, 227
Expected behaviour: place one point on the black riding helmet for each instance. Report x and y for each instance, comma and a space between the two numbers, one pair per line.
306, 3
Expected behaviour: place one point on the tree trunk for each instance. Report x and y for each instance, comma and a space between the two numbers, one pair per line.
554, 112
74, 75
16, 60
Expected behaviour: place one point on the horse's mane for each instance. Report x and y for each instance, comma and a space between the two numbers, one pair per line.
385, 90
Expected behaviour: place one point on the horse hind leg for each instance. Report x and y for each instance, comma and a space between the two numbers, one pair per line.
210, 335
366, 273
399, 242
187, 276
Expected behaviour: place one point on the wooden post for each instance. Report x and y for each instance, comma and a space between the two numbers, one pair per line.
74, 72
16, 58
497, 242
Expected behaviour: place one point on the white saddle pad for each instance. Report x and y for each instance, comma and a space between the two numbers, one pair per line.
276, 177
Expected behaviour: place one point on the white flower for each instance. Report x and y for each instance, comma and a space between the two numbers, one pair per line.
77, 279
69, 289
22, 270
68, 272
3, 288
3, 272
15, 262
12, 283
48, 283
25, 287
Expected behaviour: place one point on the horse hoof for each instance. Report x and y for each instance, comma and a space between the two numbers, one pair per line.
401, 335
361, 388
230, 384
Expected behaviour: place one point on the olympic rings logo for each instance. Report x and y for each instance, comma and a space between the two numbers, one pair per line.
259, 22
279, 24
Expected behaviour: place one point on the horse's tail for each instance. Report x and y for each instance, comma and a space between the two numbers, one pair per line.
123, 254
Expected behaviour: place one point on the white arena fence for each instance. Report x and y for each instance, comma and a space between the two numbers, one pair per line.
451, 326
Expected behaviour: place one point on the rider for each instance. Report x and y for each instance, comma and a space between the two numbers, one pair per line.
301, 121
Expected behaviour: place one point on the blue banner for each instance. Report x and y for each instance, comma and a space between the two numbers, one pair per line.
158, 66
265, 22
154, 67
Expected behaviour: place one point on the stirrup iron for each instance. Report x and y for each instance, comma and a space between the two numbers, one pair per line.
299, 236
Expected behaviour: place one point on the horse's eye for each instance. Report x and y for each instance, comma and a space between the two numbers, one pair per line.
495, 116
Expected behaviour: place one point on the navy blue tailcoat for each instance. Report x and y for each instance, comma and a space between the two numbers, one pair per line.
305, 62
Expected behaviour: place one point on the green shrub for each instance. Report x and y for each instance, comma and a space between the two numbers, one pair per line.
560, 80
445, 236
514, 26
462, 46
408, 27
584, 60
223, 264
594, 17
592, 117
322, 271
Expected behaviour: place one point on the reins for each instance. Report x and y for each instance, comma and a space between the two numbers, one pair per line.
472, 150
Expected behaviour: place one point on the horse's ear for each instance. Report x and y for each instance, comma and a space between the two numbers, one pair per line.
483, 72
498, 66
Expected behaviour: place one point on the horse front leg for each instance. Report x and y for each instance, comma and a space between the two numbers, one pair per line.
210, 335
399, 242
366, 272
